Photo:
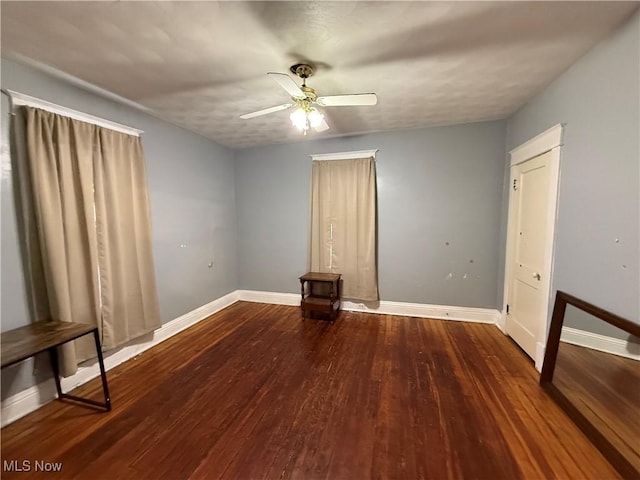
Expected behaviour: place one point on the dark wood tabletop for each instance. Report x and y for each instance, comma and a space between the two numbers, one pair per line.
24, 342
320, 277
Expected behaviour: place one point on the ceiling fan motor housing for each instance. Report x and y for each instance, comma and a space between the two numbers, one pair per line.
303, 70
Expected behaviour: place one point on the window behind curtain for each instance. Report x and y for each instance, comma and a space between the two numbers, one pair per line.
343, 231
87, 228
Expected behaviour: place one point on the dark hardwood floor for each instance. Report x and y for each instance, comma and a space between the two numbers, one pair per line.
256, 393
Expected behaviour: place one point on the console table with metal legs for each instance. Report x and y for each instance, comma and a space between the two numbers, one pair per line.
45, 336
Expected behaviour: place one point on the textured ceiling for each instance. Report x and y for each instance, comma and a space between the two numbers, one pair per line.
201, 65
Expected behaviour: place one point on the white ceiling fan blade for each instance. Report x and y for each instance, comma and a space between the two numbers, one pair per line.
265, 111
286, 82
356, 99
324, 126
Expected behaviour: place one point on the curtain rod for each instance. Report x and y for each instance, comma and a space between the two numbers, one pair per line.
345, 155
17, 99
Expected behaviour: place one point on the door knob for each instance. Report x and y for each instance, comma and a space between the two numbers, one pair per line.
537, 276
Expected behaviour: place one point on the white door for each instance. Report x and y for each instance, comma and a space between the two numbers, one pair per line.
528, 266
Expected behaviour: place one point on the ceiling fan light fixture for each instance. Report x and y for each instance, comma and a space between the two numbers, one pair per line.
299, 119
303, 119
315, 118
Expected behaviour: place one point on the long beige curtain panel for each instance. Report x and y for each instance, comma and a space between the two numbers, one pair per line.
343, 224
87, 228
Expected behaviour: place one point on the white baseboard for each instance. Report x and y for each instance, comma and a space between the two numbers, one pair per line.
540, 351
422, 310
465, 314
26, 401
501, 322
292, 299
32, 398
602, 343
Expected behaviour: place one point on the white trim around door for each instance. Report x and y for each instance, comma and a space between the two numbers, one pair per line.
542, 143
548, 141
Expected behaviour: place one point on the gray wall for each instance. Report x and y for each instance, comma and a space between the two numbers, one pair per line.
435, 185
598, 99
191, 190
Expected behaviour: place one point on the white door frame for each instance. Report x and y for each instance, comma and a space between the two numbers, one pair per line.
548, 141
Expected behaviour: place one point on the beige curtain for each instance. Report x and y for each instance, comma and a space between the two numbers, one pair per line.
127, 275
85, 209
343, 224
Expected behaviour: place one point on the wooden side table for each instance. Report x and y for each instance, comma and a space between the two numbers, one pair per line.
320, 293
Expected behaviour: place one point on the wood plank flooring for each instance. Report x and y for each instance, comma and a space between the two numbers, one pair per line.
254, 393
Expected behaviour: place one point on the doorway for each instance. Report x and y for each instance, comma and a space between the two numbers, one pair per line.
533, 196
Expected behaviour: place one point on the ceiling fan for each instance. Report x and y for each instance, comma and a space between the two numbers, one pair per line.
306, 115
